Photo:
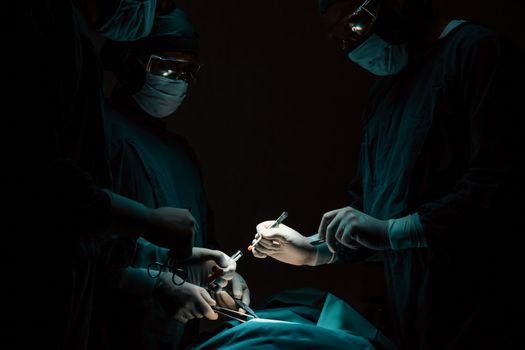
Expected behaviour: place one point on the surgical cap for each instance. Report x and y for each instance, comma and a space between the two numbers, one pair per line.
171, 32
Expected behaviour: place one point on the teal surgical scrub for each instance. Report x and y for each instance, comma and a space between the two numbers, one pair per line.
158, 168
444, 139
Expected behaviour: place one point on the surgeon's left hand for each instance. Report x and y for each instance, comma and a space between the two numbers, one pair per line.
238, 288
352, 228
204, 262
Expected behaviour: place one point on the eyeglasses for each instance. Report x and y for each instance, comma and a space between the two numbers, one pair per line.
155, 269
173, 68
357, 25
361, 21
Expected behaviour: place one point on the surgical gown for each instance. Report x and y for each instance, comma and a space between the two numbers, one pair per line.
158, 168
445, 139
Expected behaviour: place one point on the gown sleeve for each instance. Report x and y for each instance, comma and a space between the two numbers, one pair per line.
490, 186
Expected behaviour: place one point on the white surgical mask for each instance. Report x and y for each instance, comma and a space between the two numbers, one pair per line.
379, 57
160, 96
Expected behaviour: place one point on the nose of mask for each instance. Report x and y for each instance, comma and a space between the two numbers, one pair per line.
379, 57
160, 96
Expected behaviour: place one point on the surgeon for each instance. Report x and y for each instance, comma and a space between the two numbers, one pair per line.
57, 211
439, 189
158, 168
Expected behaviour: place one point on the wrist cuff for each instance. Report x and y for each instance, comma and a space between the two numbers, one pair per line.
323, 255
406, 233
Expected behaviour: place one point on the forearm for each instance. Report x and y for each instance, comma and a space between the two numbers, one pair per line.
148, 252
136, 281
128, 217
76, 196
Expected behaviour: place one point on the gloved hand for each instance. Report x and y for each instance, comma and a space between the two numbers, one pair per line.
239, 289
173, 228
284, 244
352, 228
236, 288
167, 227
184, 302
204, 262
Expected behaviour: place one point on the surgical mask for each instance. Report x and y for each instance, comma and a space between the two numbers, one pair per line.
132, 20
160, 96
379, 57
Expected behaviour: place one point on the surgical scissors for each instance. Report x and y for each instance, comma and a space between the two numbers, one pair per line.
236, 315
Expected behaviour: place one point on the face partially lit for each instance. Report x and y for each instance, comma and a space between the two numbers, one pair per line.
350, 22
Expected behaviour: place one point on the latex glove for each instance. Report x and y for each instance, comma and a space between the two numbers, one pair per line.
173, 228
284, 244
238, 288
184, 302
204, 262
352, 228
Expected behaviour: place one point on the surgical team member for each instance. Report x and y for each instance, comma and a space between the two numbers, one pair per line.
158, 168
439, 190
56, 212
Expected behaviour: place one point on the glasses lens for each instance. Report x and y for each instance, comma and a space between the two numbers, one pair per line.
360, 24
179, 276
154, 269
172, 68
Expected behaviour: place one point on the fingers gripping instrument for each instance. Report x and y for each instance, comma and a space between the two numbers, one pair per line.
277, 222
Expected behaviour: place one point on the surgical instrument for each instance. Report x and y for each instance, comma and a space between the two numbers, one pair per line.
277, 222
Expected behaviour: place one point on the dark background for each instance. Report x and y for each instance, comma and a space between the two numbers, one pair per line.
275, 122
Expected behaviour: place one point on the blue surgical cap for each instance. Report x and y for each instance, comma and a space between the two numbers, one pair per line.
170, 32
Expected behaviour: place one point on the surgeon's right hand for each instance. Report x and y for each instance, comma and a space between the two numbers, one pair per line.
173, 228
184, 302
284, 244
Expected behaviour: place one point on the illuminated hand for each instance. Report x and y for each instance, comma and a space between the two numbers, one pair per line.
284, 244
238, 288
184, 302
204, 262
352, 228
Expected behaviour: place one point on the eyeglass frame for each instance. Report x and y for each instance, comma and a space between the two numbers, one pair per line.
362, 7
170, 266
179, 75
